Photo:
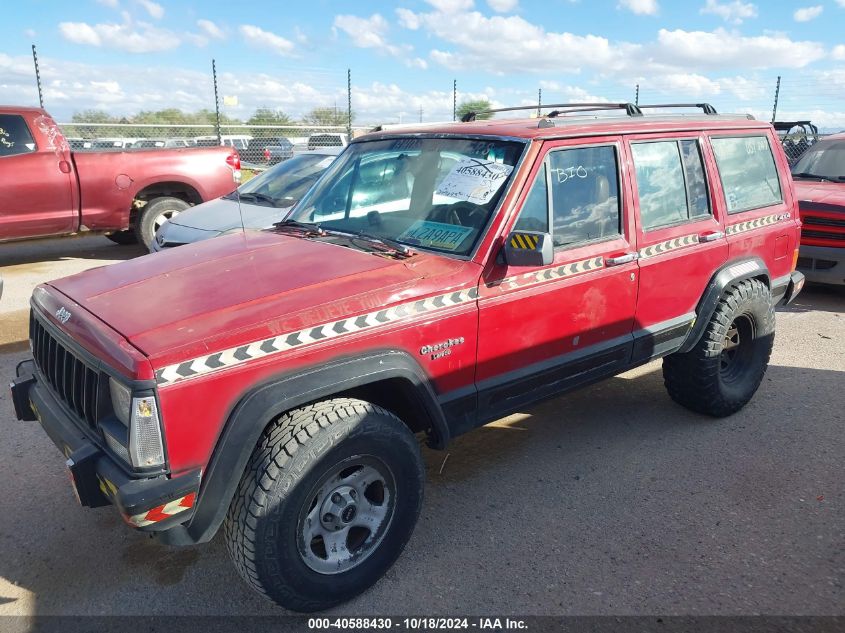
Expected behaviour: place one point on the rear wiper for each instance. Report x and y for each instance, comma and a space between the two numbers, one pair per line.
806, 174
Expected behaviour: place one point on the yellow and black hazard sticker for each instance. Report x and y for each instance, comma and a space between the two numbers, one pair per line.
524, 241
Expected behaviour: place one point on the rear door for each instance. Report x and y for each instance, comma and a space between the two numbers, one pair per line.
760, 209
543, 330
36, 179
681, 240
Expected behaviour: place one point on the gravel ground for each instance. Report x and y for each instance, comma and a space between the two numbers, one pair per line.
612, 500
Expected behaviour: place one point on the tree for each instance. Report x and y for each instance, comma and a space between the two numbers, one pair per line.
267, 116
92, 116
479, 106
326, 116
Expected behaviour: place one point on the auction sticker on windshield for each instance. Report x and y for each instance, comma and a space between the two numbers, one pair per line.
474, 180
435, 235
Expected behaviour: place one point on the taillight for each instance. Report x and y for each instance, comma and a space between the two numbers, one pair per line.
234, 163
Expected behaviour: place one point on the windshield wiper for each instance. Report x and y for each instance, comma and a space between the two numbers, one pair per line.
391, 244
309, 228
259, 197
806, 174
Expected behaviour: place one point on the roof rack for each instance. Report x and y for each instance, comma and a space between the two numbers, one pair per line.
705, 107
630, 109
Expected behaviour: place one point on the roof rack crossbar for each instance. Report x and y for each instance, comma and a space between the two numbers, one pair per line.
630, 109
704, 107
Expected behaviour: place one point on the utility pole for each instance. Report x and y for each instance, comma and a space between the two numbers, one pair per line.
539, 101
454, 99
349, 103
637, 96
37, 76
775, 107
216, 102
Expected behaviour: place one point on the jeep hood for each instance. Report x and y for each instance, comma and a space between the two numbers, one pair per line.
243, 287
820, 192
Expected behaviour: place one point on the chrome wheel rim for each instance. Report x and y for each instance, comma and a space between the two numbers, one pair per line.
736, 349
163, 217
346, 515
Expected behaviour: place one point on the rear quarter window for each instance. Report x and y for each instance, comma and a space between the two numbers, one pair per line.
747, 171
15, 137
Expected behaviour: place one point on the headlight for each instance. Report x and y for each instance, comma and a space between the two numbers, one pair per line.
140, 416
121, 399
145, 446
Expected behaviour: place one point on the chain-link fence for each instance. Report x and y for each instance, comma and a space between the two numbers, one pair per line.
259, 146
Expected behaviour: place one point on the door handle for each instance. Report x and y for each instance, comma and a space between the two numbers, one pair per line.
621, 259
711, 237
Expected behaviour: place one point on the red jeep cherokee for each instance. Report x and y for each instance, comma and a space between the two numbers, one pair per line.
434, 279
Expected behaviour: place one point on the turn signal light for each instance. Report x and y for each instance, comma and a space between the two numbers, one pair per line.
795, 260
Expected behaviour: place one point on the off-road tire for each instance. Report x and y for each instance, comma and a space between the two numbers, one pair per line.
124, 238
261, 528
146, 225
699, 379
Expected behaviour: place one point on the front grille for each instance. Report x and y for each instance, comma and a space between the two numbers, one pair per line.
817, 221
823, 235
75, 382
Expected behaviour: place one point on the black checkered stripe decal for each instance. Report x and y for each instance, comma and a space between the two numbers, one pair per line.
293, 340
548, 274
668, 245
766, 220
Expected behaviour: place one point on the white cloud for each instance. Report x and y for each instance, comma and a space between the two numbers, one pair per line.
30, 33
503, 6
368, 32
155, 10
130, 37
113, 4
210, 29
451, 6
265, 40
409, 20
838, 52
734, 12
806, 14
640, 7
417, 62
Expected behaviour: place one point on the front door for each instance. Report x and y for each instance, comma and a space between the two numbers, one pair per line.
543, 330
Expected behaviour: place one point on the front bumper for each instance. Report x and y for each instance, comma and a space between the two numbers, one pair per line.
822, 264
151, 504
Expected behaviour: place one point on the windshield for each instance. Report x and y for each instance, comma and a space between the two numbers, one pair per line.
431, 193
285, 184
825, 159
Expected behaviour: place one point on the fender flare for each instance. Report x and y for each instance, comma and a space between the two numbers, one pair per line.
265, 402
728, 275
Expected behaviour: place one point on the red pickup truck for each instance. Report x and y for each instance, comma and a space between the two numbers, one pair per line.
47, 190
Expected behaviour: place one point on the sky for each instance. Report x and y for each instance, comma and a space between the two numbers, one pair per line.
124, 56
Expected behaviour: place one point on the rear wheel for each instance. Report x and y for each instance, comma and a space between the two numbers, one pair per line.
155, 213
723, 371
326, 505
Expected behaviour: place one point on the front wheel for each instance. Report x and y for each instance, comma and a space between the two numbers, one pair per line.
329, 499
723, 371
155, 213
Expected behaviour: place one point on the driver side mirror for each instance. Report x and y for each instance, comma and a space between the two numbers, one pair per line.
529, 248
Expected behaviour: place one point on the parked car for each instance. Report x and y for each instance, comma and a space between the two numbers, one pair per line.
327, 139
256, 153
819, 176
159, 143
271, 383
256, 204
238, 141
112, 143
46, 189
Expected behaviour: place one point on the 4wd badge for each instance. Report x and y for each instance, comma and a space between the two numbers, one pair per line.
63, 315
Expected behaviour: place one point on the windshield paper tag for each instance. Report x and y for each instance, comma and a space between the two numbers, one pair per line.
474, 180
435, 235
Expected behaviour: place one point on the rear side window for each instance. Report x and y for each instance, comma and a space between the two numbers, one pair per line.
670, 182
584, 194
15, 137
748, 172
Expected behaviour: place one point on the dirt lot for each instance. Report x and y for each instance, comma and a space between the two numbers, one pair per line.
612, 500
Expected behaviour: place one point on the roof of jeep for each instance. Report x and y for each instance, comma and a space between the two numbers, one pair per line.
576, 126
